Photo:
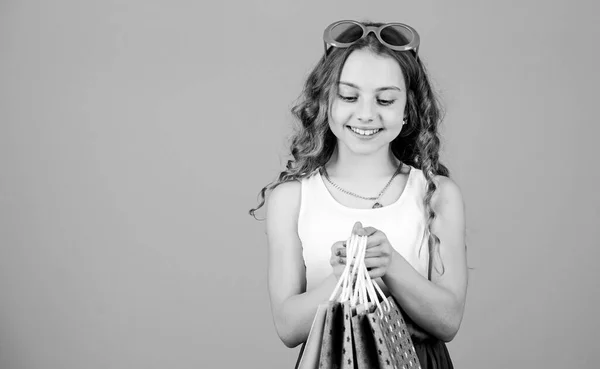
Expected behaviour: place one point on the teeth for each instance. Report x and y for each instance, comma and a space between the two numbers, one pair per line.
368, 132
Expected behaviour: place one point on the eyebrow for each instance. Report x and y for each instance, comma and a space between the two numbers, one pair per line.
377, 89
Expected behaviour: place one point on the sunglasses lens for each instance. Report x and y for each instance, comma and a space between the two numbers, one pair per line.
396, 35
346, 32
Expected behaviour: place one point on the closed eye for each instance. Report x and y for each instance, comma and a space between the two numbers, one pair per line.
354, 98
385, 102
347, 98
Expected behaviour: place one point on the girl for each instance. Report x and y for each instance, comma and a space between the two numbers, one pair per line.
366, 152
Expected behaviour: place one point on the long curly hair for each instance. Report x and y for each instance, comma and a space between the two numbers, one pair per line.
418, 144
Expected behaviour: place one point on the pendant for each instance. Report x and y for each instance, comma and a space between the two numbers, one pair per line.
377, 205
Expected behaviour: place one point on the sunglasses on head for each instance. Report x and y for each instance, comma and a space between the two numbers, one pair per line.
396, 36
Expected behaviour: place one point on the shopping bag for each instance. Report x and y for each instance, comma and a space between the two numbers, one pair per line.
331, 346
381, 350
348, 356
394, 345
397, 336
337, 349
324, 347
364, 342
311, 350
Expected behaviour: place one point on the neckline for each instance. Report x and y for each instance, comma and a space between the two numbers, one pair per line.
345, 207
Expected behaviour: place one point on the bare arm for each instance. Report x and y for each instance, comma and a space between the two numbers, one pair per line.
438, 305
293, 309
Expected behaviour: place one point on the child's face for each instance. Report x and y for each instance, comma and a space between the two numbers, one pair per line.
371, 96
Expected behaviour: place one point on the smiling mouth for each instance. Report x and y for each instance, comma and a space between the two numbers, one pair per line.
365, 132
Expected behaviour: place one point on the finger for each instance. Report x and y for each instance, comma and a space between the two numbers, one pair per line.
375, 239
337, 245
357, 227
341, 252
375, 251
334, 247
338, 260
376, 273
335, 257
374, 263
370, 231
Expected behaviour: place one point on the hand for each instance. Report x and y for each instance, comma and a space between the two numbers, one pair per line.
338, 258
338, 252
379, 252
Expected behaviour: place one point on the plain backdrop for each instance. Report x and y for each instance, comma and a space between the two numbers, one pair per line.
135, 136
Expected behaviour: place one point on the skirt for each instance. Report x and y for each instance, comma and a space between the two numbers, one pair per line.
432, 354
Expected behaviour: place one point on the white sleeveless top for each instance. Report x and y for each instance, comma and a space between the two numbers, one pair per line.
322, 221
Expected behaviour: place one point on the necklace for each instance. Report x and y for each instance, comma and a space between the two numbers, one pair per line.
373, 198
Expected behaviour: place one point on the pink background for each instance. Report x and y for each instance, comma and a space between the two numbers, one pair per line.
134, 136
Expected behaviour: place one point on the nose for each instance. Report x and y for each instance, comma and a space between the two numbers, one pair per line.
365, 112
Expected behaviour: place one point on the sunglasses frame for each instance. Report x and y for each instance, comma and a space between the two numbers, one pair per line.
413, 44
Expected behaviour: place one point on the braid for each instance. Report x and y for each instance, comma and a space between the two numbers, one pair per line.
428, 146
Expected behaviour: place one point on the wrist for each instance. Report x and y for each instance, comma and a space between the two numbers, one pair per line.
395, 265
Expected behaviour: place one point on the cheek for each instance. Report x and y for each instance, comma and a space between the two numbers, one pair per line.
393, 116
340, 113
